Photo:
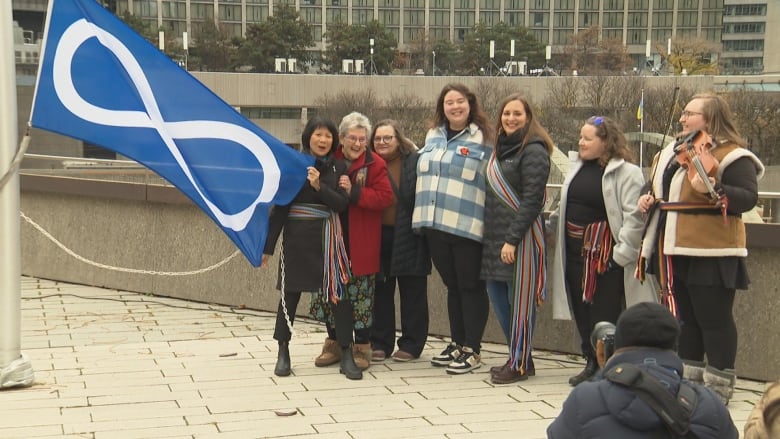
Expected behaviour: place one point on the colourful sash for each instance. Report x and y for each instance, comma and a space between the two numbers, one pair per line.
596, 252
530, 280
335, 274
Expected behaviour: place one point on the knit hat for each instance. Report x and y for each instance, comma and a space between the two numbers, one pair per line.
647, 324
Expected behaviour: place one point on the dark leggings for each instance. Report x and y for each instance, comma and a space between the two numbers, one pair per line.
707, 324
608, 301
281, 331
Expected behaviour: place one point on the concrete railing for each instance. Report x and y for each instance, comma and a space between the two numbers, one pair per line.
155, 228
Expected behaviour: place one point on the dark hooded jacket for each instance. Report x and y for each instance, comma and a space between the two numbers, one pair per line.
603, 409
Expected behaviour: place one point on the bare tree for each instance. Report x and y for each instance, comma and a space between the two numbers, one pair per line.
757, 116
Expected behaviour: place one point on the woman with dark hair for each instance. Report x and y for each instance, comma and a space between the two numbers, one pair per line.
449, 209
598, 234
695, 239
311, 230
513, 256
404, 255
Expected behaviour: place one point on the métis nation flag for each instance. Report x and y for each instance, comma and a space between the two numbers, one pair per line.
101, 82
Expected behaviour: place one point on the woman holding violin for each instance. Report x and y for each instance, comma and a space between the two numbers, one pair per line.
695, 238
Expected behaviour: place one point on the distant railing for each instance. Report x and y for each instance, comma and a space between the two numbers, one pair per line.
128, 171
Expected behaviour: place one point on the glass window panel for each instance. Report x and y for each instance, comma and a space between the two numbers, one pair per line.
638, 4
414, 4
389, 3
362, 16
229, 12
540, 19
637, 19
562, 36
309, 15
511, 5
542, 36
565, 19
145, 8
490, 4
515, 18
389, 18
588, 19
688, 5
337, 14
589, 5
414, 18
440, 18
637, 36
613, 5
440, 4
465, 4
201, 11
613, 19
464, 19
564, 4
440, 34
490, 18
540, 4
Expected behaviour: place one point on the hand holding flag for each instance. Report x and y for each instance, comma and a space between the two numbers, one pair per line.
101, 82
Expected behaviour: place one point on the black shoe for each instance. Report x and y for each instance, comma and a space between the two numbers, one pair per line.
282, 368
591, 367
348, 366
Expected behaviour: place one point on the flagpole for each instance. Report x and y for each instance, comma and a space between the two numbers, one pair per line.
14, 367
642, 129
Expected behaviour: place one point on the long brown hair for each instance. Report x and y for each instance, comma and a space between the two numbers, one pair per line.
720, 122
477, 116
615, 142
533, 129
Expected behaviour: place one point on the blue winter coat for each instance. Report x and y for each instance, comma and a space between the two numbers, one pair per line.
603, 409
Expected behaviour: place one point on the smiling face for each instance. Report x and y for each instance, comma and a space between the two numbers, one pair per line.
354, 143
321, 142
591, 146
456, 110
692, 117
513, 117
386, 142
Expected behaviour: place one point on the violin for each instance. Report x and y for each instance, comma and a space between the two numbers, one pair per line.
692, 152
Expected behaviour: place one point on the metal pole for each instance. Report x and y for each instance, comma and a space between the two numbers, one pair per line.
11, 358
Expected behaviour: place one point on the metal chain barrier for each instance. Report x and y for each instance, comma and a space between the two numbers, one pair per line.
281, 292
121, 269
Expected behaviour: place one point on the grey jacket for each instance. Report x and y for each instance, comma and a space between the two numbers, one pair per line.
621, 184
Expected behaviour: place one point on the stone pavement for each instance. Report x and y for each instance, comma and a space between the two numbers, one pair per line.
114, 364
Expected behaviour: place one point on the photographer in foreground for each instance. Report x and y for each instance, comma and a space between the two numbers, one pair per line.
640, 393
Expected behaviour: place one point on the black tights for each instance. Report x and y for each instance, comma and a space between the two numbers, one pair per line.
707, 324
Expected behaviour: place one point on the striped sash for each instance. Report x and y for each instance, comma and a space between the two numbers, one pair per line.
530, 279
596, 252
335, 273
665, 271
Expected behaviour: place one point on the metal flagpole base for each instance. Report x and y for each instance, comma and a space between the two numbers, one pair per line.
17, 374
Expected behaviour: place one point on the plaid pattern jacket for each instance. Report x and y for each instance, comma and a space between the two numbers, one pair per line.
450, 192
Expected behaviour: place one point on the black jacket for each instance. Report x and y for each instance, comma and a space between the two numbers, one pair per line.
410, 256
526, 169
302, 238
602, 409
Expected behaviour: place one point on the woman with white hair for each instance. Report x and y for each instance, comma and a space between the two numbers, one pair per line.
350, 312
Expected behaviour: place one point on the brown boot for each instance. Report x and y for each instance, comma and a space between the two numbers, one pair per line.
331, 354
362, 353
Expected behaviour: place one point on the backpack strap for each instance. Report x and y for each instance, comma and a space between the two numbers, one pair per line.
674, 410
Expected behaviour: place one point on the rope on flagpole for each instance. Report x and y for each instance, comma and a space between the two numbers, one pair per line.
121, 269
17, 159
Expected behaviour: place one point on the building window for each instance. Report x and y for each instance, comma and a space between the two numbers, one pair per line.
389, 18
389, 4
464, 4
540, 4
229, 12
512, 5
638, 4
362, 16
440, 18
688, 5
490, 18
743, 45
613, 19
565, 19
687, 19
588, 19
613, 5
271, 113
757, 10
464, 19
662, 19
564, 4
562, 36
637, 19
491, 4
414, 18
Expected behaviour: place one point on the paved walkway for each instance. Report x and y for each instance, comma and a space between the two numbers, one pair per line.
114, 364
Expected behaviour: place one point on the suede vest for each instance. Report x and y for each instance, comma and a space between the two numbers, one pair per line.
705, 234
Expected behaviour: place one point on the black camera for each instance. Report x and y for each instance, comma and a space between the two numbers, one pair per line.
602, 338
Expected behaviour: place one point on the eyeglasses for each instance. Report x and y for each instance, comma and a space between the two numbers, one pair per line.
383, 139
596, 120
354, 139
686, 114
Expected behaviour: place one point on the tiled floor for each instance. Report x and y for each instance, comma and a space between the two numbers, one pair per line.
113, 364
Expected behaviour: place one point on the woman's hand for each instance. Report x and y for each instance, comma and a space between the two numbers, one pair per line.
646, 201
508, 253
698, 184
345, 184
264, 261
313, 175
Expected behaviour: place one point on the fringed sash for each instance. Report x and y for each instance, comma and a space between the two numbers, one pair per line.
530, 279
335, 274
665, 272
596, 252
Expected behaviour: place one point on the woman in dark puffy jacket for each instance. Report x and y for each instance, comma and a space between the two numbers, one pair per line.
513, 256
405, 259
306, 222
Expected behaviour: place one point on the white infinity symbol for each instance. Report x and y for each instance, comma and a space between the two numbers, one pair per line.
79, 32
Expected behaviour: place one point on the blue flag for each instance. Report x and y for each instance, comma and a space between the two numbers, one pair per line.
101, 82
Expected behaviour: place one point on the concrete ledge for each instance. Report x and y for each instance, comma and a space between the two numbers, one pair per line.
156, 228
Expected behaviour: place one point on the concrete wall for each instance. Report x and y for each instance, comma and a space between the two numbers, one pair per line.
155, 228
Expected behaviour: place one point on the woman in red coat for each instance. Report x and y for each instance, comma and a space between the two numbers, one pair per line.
370, 193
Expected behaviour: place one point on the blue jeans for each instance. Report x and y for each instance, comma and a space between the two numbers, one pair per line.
501, 298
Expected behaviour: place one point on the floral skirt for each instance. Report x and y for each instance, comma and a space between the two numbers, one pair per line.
360, 291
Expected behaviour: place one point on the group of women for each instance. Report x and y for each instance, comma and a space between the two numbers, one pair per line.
376, 211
